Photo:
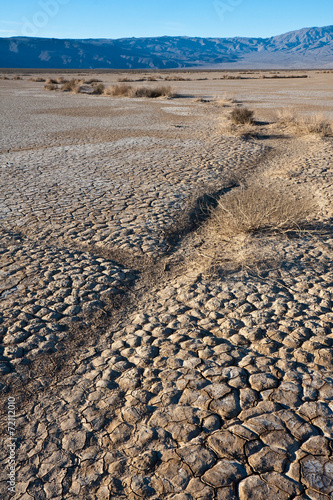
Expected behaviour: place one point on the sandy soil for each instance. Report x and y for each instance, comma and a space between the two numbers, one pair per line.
136, 372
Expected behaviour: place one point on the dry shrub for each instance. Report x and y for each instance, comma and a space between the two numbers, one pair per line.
224, 101
98, 89
241, 116
259, 208
286, 117
304, 125
37, 79
50, 86
92, 80
250, 254
226, 127
153, 92
202, 100
119, 90
51, 81
177, 79
61, 79
316, 124
71, 86
78, 89
128, 91
242, 230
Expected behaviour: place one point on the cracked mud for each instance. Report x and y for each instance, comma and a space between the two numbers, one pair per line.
135, 374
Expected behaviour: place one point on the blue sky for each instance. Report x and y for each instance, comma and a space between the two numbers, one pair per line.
127, 18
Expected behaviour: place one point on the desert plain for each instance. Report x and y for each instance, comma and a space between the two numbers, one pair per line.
157, 346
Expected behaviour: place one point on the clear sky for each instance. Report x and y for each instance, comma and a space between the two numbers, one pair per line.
128, 18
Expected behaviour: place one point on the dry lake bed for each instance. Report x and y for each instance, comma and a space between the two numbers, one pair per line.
153, 344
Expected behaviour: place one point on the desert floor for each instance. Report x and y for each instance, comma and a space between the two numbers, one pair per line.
148, 356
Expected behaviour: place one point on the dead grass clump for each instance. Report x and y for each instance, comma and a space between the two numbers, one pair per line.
305, 125
243, 131
259, 208
50, 86
50, 81
153, 92
92, 80
119, 90
36, 79
71, 86
225, 101
177, 79
98, 89
77, 89
241, 116
317, 125
201, 99
128, 91
243, 231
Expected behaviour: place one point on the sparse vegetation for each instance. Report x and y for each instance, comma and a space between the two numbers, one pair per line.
242, 231
36, 79
277, 76
304, 125
154, 92
241, 116
72, 86
225, 101
92, 80
50, 81
128, 91
121, 90
50, 86
98, 89
259, 208
244, 131
176, 79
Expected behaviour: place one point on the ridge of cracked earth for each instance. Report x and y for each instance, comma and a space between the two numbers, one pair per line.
208, 388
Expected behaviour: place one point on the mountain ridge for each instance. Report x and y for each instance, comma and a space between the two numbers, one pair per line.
304, 48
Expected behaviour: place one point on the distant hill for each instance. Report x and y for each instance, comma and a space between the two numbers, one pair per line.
305, 48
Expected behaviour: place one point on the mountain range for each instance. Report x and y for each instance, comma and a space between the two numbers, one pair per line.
305, 48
